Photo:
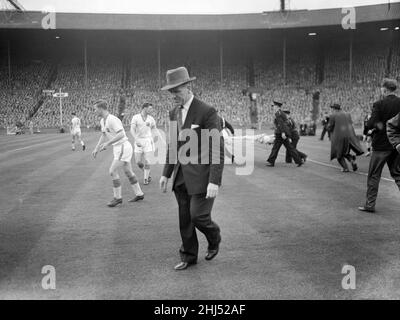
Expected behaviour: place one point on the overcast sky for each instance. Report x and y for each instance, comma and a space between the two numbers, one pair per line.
187, 6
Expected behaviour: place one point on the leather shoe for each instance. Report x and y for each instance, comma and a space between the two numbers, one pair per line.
183, 265
211, 254
366, 209
137, 198
269, 164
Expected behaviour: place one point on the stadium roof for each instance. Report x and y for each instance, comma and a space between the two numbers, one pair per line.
265, 20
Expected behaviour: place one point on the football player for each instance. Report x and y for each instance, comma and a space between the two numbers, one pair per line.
142, 125
113, 133
75, 130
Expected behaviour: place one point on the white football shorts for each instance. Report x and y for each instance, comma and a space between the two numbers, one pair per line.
123, 151
76, 133
146, 145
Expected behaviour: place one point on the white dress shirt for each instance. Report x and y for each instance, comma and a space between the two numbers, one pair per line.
185, 109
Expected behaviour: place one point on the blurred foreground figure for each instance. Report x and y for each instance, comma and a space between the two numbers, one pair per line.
383, 152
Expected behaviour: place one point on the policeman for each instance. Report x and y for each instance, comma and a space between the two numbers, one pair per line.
282, 136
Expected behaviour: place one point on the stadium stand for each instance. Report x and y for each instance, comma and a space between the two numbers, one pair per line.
123, 67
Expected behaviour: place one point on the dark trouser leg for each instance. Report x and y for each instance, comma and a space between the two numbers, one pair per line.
343, 163
275, 150
200, 211
302, 155
292, 151
323, 133
190, 245
378, 160
393, 163
288, 157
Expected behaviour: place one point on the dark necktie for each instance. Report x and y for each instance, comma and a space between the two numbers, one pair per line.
180, 122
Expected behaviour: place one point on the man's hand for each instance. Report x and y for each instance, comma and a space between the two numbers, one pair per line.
283, 136
103, 146
212, 190
398, 148
94, 153
163, 183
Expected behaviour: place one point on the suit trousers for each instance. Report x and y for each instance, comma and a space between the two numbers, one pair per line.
377, 162
324, 131
289, 147
194, 212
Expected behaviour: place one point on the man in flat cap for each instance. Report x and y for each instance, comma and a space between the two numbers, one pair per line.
195, 182
343, 138
383, 152
282, 136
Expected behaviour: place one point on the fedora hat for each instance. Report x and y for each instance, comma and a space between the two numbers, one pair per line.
336, 106
177, 77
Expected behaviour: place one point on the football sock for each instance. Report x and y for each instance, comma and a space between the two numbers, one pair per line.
146, 173
132, 180
117, 188
136, 188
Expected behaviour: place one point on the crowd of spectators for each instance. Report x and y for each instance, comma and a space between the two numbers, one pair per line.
139, 82
20, 93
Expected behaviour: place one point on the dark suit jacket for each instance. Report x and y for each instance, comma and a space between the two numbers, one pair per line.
197, 175
393, 130
382, 111
225, 124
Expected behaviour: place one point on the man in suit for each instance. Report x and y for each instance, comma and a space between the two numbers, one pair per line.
195, 182
383, 152
282, 136
295, 137
325, 122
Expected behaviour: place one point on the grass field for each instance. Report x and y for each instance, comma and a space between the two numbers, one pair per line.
286, 231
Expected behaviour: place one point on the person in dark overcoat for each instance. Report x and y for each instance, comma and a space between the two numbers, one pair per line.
343, 138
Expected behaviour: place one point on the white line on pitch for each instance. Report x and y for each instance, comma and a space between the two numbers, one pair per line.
332, 166
28, 147
335, 167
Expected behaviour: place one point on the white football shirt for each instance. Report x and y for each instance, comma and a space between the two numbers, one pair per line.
111, 126
142, 127
76, 123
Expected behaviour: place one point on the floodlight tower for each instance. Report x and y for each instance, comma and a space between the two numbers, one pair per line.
285, 5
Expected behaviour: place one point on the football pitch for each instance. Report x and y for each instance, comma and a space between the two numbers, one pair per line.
287, 232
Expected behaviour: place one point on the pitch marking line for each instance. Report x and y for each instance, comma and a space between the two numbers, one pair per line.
335, 167
31, 146
332, 166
